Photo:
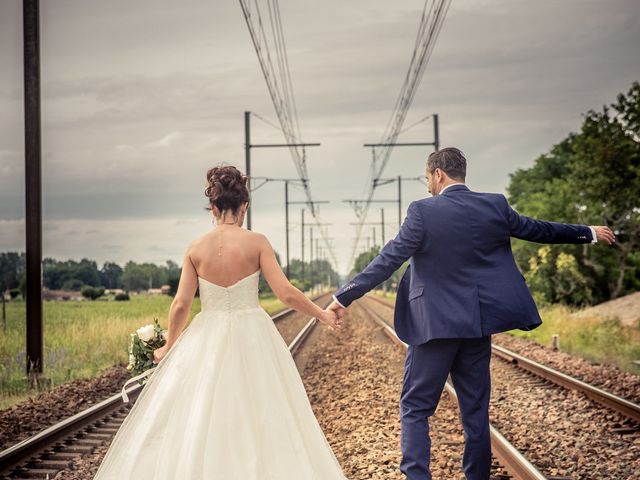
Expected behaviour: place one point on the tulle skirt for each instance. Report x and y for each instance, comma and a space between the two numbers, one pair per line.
226, 402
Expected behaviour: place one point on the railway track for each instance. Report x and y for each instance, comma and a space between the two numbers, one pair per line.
43, 455
514, 462
56, 448
627, 408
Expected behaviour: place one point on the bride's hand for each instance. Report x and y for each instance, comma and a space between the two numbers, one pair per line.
160, 353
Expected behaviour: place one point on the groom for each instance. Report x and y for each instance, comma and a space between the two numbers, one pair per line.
462, 286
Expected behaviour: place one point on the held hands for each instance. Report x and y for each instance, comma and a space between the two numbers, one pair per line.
332, 316
604, 234
340, 311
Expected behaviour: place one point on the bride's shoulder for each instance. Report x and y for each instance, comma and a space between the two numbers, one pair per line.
260, 239
256, 236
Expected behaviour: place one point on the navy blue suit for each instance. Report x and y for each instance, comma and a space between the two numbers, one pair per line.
462, 285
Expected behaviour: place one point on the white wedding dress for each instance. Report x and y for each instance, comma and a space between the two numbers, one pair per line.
226, 402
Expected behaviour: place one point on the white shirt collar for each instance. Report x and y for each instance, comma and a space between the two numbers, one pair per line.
450, 185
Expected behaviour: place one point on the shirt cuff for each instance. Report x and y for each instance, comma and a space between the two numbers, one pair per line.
336, 300
594, 237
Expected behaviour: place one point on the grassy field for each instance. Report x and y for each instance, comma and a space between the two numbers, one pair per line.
596, 339
80, 338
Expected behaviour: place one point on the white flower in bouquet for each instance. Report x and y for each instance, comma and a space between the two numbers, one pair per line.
146, 333
142, 344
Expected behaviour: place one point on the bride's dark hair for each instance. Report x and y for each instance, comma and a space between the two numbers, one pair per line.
226, 188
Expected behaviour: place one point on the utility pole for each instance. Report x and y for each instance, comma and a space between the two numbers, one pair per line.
374, 224
358, 204
435, 144
311, 254
311, 246
33, 186
286, 182
382, 225
399, 200
377, 182
312, 205
322, 255
286, 221
247, 154
247, 160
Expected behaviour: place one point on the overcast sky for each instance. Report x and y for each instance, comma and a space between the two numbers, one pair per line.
141, 98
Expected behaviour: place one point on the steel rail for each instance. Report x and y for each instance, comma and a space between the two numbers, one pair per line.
26, 449
621, 405
509, 457
614, 402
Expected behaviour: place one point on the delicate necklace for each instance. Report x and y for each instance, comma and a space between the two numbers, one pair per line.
220, 239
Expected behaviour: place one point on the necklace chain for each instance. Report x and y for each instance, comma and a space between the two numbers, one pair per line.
220, 239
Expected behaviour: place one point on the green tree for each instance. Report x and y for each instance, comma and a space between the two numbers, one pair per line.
111, 275
591, 177
58, 273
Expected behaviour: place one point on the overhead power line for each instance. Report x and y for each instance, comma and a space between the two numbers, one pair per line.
431, 21
271, 51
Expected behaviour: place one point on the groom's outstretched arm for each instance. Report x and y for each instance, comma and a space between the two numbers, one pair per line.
390, 258
542, 231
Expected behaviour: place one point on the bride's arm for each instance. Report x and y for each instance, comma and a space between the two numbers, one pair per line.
285, 291
181, 304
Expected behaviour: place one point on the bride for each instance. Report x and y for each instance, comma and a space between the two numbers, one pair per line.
225, 400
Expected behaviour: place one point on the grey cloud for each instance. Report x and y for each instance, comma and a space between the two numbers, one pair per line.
137, 106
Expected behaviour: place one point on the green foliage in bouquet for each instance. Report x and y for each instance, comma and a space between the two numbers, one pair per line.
143, 342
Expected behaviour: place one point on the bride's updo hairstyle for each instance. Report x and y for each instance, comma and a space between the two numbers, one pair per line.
226, 189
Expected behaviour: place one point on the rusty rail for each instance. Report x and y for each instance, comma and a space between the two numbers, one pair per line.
618, 404
33, 455
509, 457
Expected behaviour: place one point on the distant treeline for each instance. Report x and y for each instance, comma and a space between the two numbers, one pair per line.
73, 275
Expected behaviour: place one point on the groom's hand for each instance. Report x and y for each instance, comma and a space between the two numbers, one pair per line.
335, 306
604, 234
331, 319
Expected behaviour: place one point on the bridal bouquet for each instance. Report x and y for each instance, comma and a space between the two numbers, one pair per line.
142, 344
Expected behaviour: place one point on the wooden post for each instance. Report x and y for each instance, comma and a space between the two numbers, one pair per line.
33, 185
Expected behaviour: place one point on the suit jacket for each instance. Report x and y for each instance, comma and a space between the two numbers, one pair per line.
463, 281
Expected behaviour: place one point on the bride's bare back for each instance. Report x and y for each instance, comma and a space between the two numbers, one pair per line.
226, 255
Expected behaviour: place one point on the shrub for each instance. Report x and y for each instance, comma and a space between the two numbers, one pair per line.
91, 292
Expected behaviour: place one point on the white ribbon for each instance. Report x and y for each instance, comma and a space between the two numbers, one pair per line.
146, 373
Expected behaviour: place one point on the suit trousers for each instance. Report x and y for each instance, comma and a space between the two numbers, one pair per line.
427, 367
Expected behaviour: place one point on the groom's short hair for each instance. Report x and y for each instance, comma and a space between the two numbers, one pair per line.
451, 161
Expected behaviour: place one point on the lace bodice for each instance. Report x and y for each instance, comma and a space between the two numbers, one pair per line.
241, 295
